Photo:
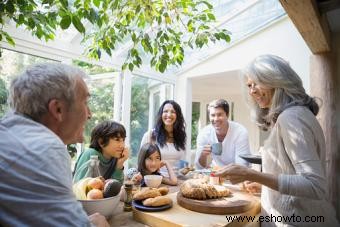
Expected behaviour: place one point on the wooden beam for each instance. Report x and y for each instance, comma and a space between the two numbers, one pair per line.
312, 26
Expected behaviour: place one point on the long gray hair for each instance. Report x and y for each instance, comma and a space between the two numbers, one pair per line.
275, 73
31, 91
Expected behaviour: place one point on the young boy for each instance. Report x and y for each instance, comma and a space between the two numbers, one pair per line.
108, 143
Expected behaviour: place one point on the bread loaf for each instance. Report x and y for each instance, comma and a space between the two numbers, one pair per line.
200, 189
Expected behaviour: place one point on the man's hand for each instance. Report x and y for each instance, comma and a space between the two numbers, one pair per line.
123, 158
98, 220
204, 155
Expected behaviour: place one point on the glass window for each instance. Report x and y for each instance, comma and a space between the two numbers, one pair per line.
101, 85
194, 123
146, 97
12, 63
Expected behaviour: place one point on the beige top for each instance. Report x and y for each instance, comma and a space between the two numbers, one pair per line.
295, 152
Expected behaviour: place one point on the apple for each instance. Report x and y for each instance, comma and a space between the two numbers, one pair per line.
95, 183
94, 194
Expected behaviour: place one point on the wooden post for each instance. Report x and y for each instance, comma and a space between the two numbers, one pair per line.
323, 85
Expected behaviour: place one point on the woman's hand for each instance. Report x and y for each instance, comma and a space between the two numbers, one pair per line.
123, 158
234, 173
252, 187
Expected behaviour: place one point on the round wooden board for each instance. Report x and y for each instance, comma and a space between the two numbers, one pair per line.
236, 203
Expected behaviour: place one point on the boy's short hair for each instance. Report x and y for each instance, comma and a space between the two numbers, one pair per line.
219, 103
105, 131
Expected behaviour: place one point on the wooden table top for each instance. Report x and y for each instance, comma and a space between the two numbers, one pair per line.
122, 218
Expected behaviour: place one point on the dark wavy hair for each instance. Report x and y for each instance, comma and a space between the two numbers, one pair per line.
145, 151
160, 135
105, 131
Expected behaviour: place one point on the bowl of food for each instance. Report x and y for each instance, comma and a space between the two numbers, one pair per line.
98, 195
153, 181
105, 206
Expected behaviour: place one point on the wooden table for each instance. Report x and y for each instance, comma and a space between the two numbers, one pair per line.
124, 219
187, 217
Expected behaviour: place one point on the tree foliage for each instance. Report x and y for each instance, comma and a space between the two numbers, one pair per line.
159, 29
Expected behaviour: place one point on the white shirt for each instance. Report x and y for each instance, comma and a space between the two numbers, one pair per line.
234, 144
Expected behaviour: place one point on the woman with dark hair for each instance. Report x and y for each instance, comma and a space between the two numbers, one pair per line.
294, 185
168, 133
108, 143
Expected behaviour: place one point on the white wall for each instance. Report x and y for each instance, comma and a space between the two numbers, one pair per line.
281, 39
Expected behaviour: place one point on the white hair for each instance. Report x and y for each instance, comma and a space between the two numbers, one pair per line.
275, 73
31, 91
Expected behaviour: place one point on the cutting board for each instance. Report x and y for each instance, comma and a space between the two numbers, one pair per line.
234, 204
178, 216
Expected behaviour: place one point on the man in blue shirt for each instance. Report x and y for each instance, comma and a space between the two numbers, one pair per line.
48, 110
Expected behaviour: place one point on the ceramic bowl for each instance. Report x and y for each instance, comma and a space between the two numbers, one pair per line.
104, 206
153, 181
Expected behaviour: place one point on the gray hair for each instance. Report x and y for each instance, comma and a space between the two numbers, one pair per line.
274, 72
31, 91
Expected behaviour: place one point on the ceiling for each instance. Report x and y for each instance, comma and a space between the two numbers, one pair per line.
332, 10
215, 84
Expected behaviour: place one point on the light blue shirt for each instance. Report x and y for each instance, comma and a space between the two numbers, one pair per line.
36, 178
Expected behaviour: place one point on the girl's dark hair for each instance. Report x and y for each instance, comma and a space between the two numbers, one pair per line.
105, 131
160, 134
145, 151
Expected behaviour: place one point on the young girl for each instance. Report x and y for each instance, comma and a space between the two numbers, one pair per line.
149, 163
108, 143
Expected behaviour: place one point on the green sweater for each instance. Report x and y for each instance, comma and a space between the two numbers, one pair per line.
104, 165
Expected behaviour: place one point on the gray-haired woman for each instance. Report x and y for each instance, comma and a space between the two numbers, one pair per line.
294, 188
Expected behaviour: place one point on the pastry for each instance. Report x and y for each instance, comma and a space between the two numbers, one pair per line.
157, 201
200, 189
145, 193
163, 190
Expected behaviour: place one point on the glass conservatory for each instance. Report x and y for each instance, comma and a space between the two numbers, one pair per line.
133, 98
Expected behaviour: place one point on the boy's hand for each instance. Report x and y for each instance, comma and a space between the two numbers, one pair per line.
123, 158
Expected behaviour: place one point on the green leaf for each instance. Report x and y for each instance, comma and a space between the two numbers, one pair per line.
77, 24
9, 39
64, 3
115, 4
162, 66
31, 23
96, 3
207, 4
10, 7
211, 16
131, 67
65, 22
21, 19
124, 66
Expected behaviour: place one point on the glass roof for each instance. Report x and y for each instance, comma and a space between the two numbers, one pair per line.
242, 18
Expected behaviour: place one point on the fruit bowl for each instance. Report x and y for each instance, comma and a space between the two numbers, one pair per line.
106, 206
153, 181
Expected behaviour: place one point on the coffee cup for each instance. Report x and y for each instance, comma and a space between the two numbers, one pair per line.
216, 148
